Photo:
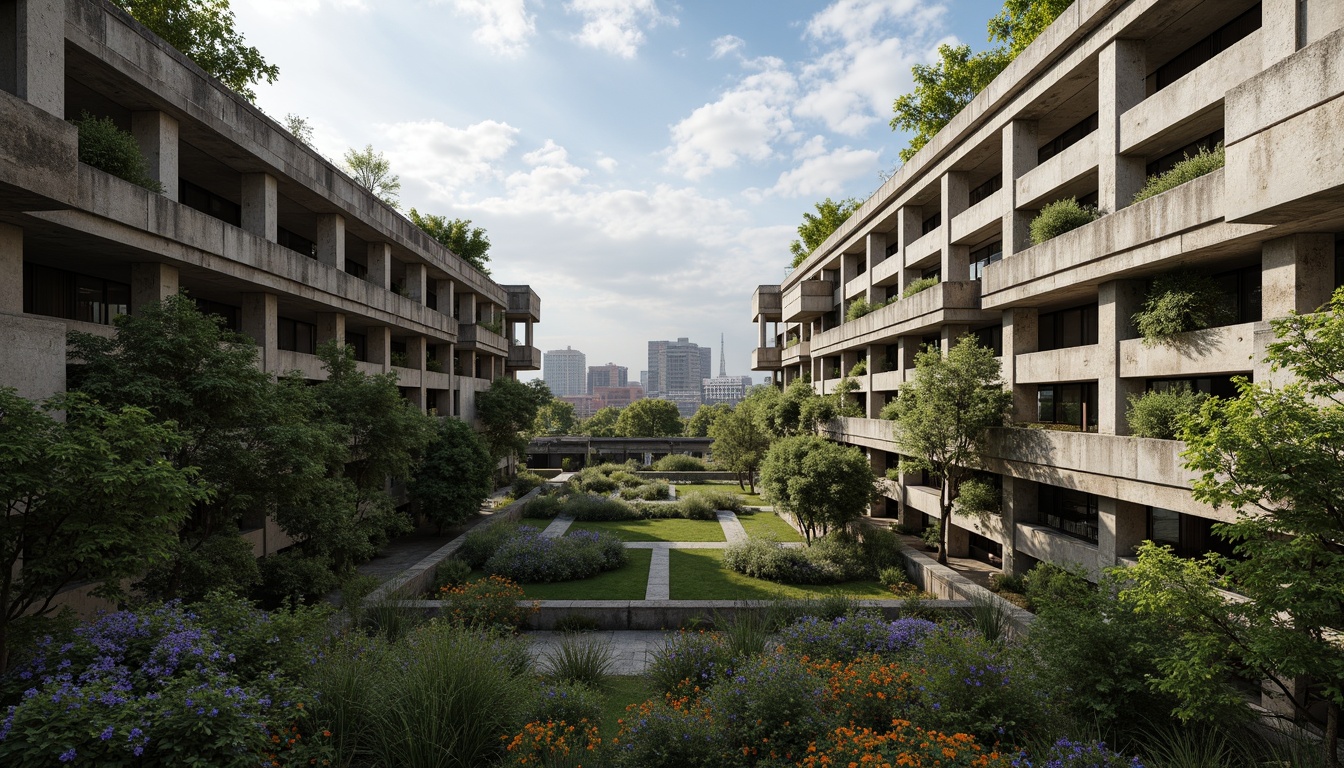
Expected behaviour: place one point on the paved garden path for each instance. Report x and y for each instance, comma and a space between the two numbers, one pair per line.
630, 649
558, 527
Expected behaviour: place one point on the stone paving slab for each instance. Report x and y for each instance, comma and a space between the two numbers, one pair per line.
660, 576
558, 527
732, 527
631, 650
675, 544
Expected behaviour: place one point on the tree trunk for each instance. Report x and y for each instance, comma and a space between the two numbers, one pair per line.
1330, 738
945, 523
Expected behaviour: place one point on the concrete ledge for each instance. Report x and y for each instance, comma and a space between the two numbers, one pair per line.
951, 587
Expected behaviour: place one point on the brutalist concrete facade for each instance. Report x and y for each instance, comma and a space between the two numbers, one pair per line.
1110, 93
253, 224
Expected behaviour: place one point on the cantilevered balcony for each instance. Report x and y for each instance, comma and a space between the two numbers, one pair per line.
808, 299
945, 303
766, 359
766, 304
479, 338
524, 358
523, 303
800, 352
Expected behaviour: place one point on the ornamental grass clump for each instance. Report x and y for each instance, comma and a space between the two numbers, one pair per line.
1059, 217
1204, 162
678, 462
579, 659
656, 490
916, 286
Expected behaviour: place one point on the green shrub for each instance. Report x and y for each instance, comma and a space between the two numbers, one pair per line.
860, 368
1053, 583
543, 506
487, 604
1002, 582
915, 286
1059, 217
1188, 169
678, 462
586, 508
977, 497
108, 148
450, 572
1178, 302
524, 482
933, 535
1161, 414
892, 577
656, 490
563, 702
725, 500
845, 553
882, 549
971, 685
482, 541
769, 560
859, 308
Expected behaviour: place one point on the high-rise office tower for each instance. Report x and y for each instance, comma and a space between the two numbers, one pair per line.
676, 369
563, 370
609, 375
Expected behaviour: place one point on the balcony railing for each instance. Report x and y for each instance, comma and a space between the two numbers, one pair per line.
766, 359
524, 358
808, 299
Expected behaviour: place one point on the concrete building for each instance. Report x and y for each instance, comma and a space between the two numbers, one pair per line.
1108, 95
676, 369
729, 390
617, 397
256, 226
584, 405
563, 370
609, 375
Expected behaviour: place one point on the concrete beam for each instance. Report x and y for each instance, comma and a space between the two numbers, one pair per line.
11, 263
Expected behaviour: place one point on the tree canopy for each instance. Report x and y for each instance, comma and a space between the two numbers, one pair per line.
704, 418
650, 417
203, 30
740, 442
1021, 21
824, 485
456, 476
943, 414
555, 417
817, 227
374, 172
602, 423
457, 235
507, 411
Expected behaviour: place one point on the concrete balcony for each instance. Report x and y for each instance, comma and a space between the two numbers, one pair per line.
765, 303
888, 271
929, 309
523, 304
977, 222
1212, 351
857, 286
1068, 364
476, 337
869, 433
919, 251
523, 358
1044, 183
796, 355
1048, 545
808, 299
1192, 105
888, 381
38, 159
766, 359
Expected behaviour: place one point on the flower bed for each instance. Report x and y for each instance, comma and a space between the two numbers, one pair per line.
523, 554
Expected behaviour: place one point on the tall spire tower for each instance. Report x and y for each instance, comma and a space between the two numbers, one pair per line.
723, 363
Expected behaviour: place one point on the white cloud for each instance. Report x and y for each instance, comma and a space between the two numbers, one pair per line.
292, 8
505, 26
744, 123
607, 164
722, 46
822, 173
445, 158
617, 26
855, 20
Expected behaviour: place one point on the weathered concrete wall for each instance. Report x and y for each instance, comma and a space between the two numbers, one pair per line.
34, 350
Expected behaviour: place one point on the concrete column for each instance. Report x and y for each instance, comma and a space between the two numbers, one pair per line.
38, 72
910, 220
378, 346
1019, 506
261, 321
151, 283
1121, 526
452, 298
951, 334
528, 340
157, 135
11, 265
1282, 30
1117, 301
330, 327
956, 194
416, 282
1021, 335
416, 348
379, 258
261, 207
875, 245
331, 240
466, 308
1121, 71
1294, 274
469, 364
1020, 144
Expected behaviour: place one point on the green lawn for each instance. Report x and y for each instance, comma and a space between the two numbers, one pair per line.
750, 499
627, 583
699, 574
768, 525
673, 529
620, 691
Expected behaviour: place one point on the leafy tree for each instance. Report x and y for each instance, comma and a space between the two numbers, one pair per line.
203, 30
554, 418
649, 418
791, 412
507, 410
943, 89
703, 419
943, 414
88, 499
456, 476
1022, 21
822, 484
602, 423
457, 235
374, 172
1273, 456
817, 227
739, 441
300, 127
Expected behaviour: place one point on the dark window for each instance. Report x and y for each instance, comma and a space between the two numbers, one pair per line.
1187, 535
357, 269
1075, 327
893, 249
70, 296
209, 203
994, 184
991, 336
1218, 386
358, 343
983, 257
1166, 162
932, 272
1089, 200
1220, 40
1068, 138
1070, 512
431, 299
232, 315
1067, 403
931, 223
297, 336
1242, 289
296, 243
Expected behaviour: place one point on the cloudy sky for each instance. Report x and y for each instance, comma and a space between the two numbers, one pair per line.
643, 164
